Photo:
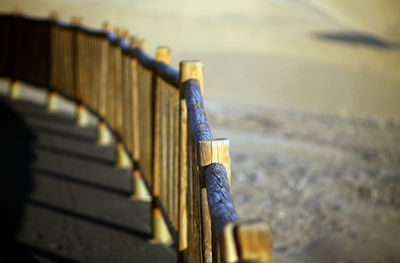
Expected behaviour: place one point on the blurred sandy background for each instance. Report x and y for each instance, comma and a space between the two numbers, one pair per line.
333, 56
308, 92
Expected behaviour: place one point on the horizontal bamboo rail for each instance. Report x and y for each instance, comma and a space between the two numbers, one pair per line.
157, 117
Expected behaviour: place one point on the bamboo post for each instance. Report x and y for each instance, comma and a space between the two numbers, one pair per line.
17, 12
104, 136
15, 89
209, 152
160, 229
52, 95
15, 86
183, 162
122, 158
138, 41
81, 113
254, 242
192, 69
139, 188
227, 246
206, 227
52, 101
215, 151
189, 69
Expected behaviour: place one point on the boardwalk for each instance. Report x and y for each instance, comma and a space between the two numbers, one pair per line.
77, 206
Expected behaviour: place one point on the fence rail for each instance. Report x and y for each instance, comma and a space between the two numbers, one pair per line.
156, 115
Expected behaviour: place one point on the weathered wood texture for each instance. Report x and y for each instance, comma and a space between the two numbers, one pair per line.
206, 225
254, 242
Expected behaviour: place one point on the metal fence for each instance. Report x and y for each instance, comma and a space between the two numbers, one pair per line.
156, 115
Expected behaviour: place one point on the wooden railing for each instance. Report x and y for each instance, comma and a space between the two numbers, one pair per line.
156, 115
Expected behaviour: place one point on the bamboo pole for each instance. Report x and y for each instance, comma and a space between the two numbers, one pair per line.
81, 113
210, 152
138, 41
52, 95
206, 226
188, 70
193, 69
139, 188
227, 246
183, 171
52, 101
253, 241
160, 229
17, 12
15, 89
15, 86
122, 158
215, 151
104, 136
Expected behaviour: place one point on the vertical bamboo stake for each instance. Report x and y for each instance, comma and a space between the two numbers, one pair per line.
52, 101
188, 70
81, 113
160, 229
15, 89
139, 188
122, 158
52, 95
193, 69
227, 248
104, 136
138, 41
206, 226
215, 151
254, 242
17, 12
15, 86
183, 171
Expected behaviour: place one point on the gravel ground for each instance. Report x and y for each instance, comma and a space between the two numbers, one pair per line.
329, 186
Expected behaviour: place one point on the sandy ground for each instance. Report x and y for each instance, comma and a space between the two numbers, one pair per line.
326, 56
328, 186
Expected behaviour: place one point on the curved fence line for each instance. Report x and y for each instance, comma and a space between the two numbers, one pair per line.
156, 115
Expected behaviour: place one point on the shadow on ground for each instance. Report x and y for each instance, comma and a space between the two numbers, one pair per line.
62, 199
17, 156
357, 38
